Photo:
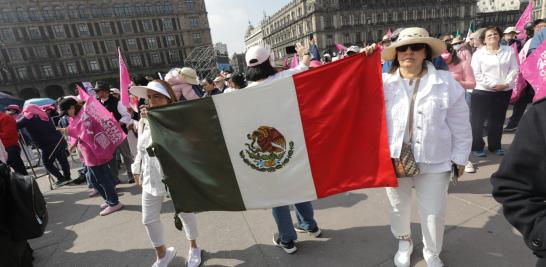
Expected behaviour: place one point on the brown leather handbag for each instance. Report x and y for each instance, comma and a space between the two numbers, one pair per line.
405, 165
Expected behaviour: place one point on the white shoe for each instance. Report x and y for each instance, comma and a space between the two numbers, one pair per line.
469, 168
403, 255
431, 259
194, 257
169, 256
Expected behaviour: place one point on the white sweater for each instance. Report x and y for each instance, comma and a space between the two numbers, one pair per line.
491, 69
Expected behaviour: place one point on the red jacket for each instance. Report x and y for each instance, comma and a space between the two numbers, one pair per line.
8, 130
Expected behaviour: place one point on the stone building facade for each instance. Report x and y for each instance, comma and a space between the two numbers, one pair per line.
47, 46
357, 22
502, 13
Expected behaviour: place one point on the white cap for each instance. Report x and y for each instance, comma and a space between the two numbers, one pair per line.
114, 91
354, 49
256, 55
141, 91
511, 29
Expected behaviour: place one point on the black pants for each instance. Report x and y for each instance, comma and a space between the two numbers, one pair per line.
491, 106
60, 156
520, 106
15, 161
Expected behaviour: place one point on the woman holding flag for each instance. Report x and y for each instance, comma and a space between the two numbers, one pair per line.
148, 173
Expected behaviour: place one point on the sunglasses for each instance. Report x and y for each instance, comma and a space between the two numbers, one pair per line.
412, 47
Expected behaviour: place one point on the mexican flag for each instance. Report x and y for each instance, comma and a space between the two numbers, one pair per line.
312, 135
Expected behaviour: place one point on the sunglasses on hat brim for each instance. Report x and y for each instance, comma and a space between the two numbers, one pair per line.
412, 47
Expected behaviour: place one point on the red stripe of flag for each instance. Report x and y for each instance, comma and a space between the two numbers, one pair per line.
343, 116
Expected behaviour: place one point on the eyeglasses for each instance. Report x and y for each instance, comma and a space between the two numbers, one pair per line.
412, 47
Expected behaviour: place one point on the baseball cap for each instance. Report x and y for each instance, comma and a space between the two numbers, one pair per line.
257, 55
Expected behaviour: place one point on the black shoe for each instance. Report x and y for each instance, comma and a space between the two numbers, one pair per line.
118, 181
289, 247
62, 182
131, 181
315, 232
79, 180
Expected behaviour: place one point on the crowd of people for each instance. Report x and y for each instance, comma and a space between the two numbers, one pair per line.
442, 96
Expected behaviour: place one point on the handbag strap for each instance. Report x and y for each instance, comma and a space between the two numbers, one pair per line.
412, 106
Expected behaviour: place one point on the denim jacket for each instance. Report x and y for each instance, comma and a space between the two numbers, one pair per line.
441, 128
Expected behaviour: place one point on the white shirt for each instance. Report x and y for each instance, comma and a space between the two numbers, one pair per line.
279, 75
229, 90
3, 153
147, 167
441, 125
491, 69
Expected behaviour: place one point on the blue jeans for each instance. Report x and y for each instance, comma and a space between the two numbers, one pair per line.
101, 178
304, 214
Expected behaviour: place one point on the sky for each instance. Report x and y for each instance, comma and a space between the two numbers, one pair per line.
228, 19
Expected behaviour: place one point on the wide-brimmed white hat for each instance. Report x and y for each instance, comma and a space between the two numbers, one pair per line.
257, 55
414, 36
141, 91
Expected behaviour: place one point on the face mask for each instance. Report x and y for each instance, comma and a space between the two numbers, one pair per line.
457, 46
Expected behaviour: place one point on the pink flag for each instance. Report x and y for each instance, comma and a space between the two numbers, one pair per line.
520, 82
526, 17
96, 130
286, 65
340, 47
295, 61
534, 71
389, 33
124, 80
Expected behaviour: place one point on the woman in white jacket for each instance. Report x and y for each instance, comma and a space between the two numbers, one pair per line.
148, 173
439, 135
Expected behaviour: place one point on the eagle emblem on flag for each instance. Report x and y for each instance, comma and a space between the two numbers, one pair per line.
267, 150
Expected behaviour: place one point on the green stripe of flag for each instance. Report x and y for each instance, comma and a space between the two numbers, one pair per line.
189, 140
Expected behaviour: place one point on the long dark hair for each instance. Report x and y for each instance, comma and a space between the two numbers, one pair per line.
455, 59
396, 65
260, 72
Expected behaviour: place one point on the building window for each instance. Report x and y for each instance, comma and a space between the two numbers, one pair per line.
7, 35
148, 26
22, 73
48, 13
22, 14
105, 27
193, 22
106, 10
47, 71
110, 46
34, 33
94, 65
59, 13
71, 68
73, 12
84, 12
196, 37
40, 52
171, 40
88, 48
15, 54
127, 26
156, 58
34, 14
152, 43
132, 44
118, 10
58, 31
114, 62
167, 24
136, 61
174, 56
83, 29
190, 4
95, 11
65, 50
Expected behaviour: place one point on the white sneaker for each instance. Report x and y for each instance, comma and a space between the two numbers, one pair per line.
469, 168
194, 257
169, 256
403, 255
431, 259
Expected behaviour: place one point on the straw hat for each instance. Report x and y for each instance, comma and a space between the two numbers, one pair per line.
457, 40
186, 74
414, 36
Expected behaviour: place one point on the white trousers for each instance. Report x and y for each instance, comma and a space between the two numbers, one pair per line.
151, 211
431, 192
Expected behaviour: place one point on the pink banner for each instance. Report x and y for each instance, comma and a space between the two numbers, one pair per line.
295, 61
534, 71
340, 47
96, 129
526, 17
520, 82
389, 33
124, 80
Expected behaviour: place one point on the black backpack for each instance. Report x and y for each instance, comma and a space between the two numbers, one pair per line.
29, 217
